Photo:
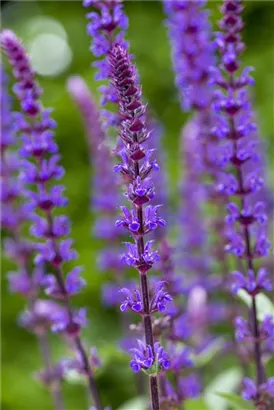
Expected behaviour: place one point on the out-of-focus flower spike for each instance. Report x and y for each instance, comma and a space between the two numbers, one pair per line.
107, 26
242, 177
40, 171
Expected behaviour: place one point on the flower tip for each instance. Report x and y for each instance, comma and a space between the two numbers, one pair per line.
7, 34
74, 82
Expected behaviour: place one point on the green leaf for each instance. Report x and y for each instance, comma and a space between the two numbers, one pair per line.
263, 303
207, 354
196, 404
138, 403
237, 402
227, 382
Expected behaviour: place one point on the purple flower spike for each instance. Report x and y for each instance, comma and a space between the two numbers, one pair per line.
26, 281
239, 161
136, 168
192, 51
39, 171
104, 193
107, 26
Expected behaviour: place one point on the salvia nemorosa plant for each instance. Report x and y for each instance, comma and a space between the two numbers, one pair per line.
177, 307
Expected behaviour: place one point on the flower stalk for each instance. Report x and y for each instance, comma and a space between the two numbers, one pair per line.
135, 167
247, 219
13, 217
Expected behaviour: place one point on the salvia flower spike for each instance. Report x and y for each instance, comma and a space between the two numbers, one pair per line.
107, 26
136, 166
41, 170
247, 221
25, 281
104, 189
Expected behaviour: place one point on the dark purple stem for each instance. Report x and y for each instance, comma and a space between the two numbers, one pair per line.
260, 374
77, 340
154, 394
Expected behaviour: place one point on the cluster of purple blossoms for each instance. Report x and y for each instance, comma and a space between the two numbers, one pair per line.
39, 169
187, 387
158, 303
151, 361
247, 238
107, 26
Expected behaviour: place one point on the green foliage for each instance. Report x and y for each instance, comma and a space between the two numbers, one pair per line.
196, 404
227, 381
263, 303
236, 402
138, 403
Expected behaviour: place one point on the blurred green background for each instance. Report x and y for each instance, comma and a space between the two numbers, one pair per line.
55, 34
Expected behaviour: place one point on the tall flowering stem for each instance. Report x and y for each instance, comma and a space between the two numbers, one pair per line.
192, 51
24, 281
105, 190
136, 166
192, 55
247, 220
193, 241
40, 170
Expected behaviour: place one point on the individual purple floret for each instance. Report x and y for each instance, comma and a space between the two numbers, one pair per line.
188, 387
241, 177
243, 330
252, 392
160, 298
76, 364
107, 26
40, 171
252, 283
151, 361
133, 300
136, 166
